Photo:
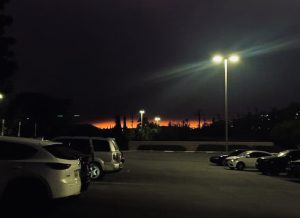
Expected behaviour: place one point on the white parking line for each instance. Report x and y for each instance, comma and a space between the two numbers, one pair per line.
118, 183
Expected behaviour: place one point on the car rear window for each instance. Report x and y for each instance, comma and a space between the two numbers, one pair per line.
81, 145
101, 145
60, 151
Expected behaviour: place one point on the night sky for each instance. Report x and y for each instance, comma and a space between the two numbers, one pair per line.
123, 55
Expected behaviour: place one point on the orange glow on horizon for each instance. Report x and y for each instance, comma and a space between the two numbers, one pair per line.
111, 123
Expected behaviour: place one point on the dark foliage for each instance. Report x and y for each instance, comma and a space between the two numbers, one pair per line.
38, 114
7, 64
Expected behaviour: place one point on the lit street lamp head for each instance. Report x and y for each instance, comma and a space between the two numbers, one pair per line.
157, 119
234, 58
142, 111
1, 96
217, 59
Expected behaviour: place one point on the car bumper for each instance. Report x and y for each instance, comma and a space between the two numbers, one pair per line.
112, 167
66, 189
231, 164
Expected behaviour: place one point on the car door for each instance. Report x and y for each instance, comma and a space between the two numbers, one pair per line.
12, 156
102, 150
252, 158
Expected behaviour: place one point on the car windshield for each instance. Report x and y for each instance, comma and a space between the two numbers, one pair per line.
243, 154
61, 151
283, 153
236, 152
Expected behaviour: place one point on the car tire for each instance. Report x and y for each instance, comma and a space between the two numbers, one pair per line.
96, 171
240, 166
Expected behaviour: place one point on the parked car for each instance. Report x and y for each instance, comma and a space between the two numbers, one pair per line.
221, 158
246, 159
106, 156
293, 168
40, 169
277, 164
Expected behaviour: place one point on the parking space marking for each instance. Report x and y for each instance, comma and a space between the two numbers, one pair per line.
118, 183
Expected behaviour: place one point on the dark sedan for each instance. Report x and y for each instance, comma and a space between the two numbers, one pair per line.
293, 168
220, 159
277, 164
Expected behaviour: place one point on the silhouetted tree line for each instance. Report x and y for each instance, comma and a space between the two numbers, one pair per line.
7, 64
281, 126
36, 115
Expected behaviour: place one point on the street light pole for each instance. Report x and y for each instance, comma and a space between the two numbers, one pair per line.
220, 59
226, 103
142, 112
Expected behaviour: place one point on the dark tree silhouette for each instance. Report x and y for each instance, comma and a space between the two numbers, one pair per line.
35, 108
124, 122
118, 122
7, 63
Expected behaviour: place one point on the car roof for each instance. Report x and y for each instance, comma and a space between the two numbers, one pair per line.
82, 137
27, 141
251, 151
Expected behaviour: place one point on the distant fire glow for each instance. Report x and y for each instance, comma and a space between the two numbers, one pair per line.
129, 124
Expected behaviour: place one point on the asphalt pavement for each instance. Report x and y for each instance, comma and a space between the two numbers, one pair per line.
180, 184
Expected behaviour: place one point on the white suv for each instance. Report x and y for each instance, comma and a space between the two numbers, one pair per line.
105, 153
37, 168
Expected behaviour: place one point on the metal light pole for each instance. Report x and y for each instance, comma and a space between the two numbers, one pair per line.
220, 59
19, 129
3, 127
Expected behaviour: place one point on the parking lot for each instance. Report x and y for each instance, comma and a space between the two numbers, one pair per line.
179, 184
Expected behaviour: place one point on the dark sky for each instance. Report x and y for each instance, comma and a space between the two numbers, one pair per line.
122, 55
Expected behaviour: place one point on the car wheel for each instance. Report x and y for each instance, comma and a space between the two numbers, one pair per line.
240, 166
96, 171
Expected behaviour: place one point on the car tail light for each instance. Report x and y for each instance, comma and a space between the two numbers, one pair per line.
58, 166
115, 157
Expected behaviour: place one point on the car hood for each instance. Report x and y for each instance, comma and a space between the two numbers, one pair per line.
233, 157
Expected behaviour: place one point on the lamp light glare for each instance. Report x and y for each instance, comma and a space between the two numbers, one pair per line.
234, 58
217, 59
157, 119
